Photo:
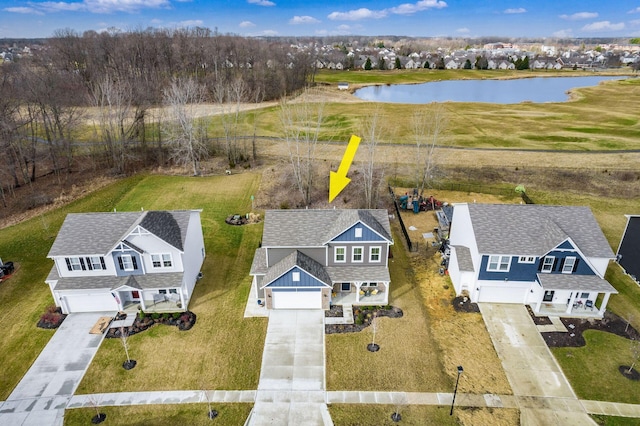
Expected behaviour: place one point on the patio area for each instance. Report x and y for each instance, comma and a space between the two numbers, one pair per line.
560, 310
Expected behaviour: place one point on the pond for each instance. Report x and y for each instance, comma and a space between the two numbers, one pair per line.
513, 91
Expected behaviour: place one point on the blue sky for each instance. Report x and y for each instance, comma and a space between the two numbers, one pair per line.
427, 18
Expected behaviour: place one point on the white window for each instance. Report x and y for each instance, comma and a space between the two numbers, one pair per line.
340, 254
374, 254
357, 254
358, 232
96, 262
526, 259
569, 263
127, 263
161, 260
296, 276
73, 264
499, 263
547, 264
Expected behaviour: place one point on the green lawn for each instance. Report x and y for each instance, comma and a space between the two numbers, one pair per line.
361, 415
615, 421
24, 297
592, 370
162, 415
223, 350
408, 359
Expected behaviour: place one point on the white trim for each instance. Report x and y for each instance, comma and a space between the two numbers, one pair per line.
162, 260
544, 263
126, 259
526, 259
335, 254
499, 263
357, 232
371, 254
353, 254
573, 264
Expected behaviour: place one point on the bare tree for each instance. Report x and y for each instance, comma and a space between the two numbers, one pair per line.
124, 339
399, 400
115, 124
372, 176
186, 133
429, 126
95, 403
229, 96
301, 125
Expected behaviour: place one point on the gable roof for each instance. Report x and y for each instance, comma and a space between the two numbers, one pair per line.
302, 261
313, 228
536, 229
98, 233
629, 249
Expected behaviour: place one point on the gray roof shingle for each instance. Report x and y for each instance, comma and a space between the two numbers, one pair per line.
143, 282
463, 255
98, 233
301, 260
575, 283
314, 228
536, 229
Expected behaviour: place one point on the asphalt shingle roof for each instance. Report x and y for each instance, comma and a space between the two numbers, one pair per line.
98, 233
536, 229
314, 228
301, 260
575, 283
463, 255
143, 282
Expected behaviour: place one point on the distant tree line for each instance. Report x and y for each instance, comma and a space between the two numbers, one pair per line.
125, 74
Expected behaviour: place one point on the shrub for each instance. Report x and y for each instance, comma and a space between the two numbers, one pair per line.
175, 315
165, 315
359, 320
140, 315
155, 315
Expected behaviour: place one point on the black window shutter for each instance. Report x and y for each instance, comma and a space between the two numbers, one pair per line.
540, 264
562, 264
102, 263
135, 262
575, 265
555, 263
68, 264
89, 265
120, 263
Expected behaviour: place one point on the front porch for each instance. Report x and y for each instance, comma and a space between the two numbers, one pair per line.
560, 310
360, 293
153, 307
365, 299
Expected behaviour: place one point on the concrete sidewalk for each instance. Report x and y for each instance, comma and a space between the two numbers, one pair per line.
531, 368
45, 390
292, 378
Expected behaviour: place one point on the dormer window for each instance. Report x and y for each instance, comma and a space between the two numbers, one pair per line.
547, 264
358, 232
569, 264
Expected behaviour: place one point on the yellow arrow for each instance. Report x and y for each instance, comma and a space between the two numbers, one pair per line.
339, 180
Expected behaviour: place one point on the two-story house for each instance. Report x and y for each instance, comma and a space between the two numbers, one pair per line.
551, 257
310, 259
147, 260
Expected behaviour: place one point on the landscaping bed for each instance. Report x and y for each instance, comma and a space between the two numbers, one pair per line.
463, 304
363, 316
611, 323
182, 320
52, 318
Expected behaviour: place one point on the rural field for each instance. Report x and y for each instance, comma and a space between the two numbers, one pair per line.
582, 152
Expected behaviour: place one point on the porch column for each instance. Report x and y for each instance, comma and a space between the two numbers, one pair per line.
142, 305
182, 299
386, 292
603, 305
538, 305
357, 284
572, 300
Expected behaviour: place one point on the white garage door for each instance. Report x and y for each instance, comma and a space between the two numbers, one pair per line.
297, 299
502, 294
94, 302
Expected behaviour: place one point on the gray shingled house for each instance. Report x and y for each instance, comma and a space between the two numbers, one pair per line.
310, 259
550, 257
147, 260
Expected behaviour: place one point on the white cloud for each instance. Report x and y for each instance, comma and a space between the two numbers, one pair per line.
463, 30
603, 26
156, 21
566, 33
24, 10
297, 20
635, 22
191, 23
580, 15
261, 2
270, 33
636, 10
246, 24
357, 14
403, 9
410, 8
515, 10
101, 6
344, 27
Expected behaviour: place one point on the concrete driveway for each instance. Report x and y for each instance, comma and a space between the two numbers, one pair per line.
531, 368
43, 393
292, 379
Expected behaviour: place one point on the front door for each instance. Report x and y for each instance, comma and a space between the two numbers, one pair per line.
135, 295
548, 296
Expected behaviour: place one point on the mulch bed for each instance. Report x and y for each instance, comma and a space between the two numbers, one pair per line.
611, 323
463, 304
538, 320
52, 318
183, 320
632, 375
334, 312
363, 315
